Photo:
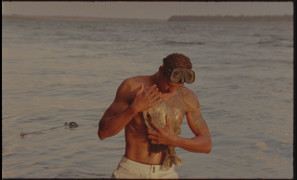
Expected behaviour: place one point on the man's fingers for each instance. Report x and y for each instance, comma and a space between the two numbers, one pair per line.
152, 137
155, 95
151, 90
140, 90
154, 142
154, 133
157, 101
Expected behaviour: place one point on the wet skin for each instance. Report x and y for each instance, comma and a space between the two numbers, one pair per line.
140, 93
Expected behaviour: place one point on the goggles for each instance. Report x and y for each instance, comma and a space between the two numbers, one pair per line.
180, 75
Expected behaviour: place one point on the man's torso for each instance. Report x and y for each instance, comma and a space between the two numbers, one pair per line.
138, 147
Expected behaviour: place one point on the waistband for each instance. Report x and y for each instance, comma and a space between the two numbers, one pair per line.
141, 165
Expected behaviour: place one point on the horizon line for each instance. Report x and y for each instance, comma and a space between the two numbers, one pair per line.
65, 17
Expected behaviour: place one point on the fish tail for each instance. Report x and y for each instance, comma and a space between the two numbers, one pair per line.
176, 160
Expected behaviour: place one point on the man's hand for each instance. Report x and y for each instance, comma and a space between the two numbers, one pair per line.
145, 100
164, 135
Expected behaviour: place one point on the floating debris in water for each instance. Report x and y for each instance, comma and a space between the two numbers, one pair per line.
70, 125
73, 124
22, 134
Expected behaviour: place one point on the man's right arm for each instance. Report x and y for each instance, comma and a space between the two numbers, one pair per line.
118, 114
122, 111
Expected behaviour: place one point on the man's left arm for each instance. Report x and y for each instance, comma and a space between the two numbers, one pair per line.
201, 143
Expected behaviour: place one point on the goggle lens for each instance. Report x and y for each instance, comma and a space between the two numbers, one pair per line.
177, 74
189, 76
182, 75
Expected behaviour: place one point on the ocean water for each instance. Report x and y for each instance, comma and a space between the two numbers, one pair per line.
56, 71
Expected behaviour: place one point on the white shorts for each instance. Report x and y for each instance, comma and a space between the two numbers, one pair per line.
132, 169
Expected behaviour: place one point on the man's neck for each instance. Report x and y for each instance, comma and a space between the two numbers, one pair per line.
156, 80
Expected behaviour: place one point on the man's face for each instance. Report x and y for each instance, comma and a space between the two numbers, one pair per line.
168, 86
172, 86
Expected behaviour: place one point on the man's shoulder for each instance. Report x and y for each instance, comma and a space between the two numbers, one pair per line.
185, 91
128, 88
130, 85
188, 95
134, 81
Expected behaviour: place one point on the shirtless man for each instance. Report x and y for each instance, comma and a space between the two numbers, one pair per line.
137, 94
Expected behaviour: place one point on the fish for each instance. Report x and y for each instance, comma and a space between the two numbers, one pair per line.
157, 114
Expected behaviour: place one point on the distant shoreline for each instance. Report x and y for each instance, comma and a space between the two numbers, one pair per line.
73, 18
232, 18
172, 18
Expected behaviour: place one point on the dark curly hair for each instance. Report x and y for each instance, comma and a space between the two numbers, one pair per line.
175, 60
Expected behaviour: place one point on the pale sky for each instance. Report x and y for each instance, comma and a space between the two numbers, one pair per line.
147, 10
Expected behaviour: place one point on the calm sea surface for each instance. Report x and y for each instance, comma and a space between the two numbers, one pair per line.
56, 71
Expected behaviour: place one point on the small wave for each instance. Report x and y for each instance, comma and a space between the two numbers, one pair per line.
39, 118
170, 42
265, 42
276, 41
262, 146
